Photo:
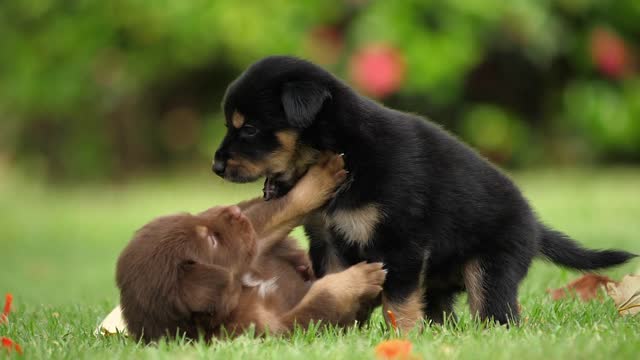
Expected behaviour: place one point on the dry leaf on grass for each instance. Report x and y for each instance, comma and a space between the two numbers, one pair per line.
587, 288
113, 324
395, 350
626, 294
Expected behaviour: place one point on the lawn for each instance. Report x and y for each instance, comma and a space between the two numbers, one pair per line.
58, 249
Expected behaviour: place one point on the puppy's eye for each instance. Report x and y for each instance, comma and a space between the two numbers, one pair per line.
249, 131
213, 240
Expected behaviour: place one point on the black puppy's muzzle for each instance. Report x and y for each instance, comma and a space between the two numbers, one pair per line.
218, 167
219, 164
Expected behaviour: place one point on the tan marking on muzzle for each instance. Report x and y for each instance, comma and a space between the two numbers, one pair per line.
292, 158
246, 167
281, 160
289, 160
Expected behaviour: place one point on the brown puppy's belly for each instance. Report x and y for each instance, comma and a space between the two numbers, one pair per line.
290, 288
280, 264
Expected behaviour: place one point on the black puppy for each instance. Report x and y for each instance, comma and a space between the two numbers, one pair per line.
440, 216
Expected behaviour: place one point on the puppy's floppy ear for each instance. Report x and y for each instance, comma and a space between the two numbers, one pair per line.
302, 100
207, 288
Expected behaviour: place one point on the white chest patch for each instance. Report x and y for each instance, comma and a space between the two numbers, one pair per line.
265, 287
356, 225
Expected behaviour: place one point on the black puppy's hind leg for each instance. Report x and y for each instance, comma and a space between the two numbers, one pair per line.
439, 304
492, 286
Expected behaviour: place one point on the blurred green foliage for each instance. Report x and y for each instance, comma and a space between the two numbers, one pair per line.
103, 88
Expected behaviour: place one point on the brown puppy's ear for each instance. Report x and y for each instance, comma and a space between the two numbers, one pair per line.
208, 289
302, 100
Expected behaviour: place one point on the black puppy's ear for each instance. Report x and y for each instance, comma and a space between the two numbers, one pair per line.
302, 100
207, 288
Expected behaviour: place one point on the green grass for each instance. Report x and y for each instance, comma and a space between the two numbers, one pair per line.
58, 249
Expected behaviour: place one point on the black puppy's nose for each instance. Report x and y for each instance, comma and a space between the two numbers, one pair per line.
218, 167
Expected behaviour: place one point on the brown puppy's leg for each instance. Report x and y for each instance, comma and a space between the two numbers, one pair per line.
274, 219
245, 205
336, 298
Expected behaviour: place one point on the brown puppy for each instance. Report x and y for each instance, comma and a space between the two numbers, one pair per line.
214, 273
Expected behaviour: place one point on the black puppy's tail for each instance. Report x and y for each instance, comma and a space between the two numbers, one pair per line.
562, 250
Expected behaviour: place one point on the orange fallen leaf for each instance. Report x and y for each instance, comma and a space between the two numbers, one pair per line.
586, 288
626, 294
394, 349
392, 320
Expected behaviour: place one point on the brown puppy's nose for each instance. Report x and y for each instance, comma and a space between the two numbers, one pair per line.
218, 167
235, 210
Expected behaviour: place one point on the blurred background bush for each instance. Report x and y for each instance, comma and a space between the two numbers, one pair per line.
106, 89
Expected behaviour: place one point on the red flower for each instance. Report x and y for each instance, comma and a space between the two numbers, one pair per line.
7, 308
609, 53
7, 343
11, 345
377, 69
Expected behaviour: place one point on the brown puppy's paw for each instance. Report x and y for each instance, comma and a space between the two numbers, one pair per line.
330, 162
319, 183
354, 285
370, 276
